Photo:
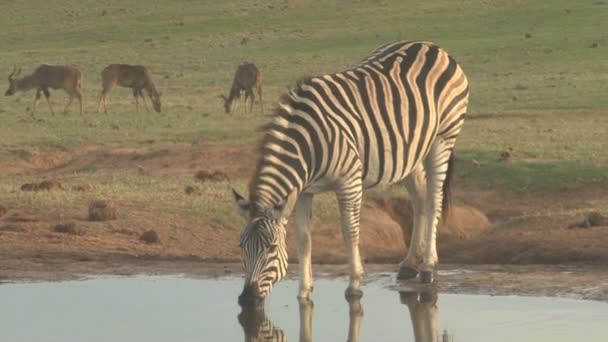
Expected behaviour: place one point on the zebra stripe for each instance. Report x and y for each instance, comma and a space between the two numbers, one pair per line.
395, 114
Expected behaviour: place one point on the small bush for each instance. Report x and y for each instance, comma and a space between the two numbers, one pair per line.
102, 210
150, 236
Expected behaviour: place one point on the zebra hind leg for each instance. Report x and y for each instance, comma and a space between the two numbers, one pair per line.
436, 166
349, 201
416, 188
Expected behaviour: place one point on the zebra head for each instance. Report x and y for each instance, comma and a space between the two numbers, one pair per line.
263, 246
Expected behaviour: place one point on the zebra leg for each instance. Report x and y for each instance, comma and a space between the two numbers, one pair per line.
436, 166
423, 313
349, 201
306, 310
302, 220
355, 314
416, 188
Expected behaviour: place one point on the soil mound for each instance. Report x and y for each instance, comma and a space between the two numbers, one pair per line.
102, 210
211, 176
462, 222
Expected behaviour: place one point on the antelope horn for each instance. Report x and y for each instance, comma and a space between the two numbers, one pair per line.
12, 74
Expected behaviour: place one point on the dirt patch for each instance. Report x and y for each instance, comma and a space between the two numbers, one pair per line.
3, 210
211, 176
531, 240
592, 219
46, 160
19, 217
67, 228
103, 210
235, 162
46, 185
82, 188
192, 190
11, 227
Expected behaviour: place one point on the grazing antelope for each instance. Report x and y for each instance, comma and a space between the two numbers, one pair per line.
47, 77
247, 76
135, 77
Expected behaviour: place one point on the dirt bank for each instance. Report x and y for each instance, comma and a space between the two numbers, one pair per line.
481, 229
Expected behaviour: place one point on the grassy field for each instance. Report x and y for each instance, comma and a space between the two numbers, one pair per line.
538, 73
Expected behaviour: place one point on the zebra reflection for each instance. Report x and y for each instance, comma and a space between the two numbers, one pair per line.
423, 313
257, 326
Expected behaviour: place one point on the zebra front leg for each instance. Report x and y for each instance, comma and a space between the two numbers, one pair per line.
349, 201
416, 188
302, 220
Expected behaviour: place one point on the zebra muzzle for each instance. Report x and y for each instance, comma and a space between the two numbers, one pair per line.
250, 295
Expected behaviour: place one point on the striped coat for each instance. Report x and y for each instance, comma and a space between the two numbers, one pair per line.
393, 117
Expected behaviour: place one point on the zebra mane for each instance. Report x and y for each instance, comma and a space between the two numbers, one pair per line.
283, 110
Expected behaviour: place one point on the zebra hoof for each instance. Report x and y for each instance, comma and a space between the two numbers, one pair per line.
426, 277
353, 294
406, 273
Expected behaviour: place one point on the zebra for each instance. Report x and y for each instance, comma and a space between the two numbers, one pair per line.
257, 327
392, 118
423, 314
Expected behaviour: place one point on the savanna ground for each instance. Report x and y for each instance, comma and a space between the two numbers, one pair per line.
531, 160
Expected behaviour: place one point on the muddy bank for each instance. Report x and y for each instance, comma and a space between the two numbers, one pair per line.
572, 281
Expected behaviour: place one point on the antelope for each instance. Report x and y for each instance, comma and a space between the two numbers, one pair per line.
247, 76
135, 77
47, 77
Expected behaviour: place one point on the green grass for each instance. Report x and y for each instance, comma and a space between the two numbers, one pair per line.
538, 86
485, 169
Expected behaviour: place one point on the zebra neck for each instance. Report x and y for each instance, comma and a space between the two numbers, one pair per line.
267, 200
283, 165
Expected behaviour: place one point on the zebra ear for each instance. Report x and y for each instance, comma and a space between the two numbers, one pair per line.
283, 209
242, 204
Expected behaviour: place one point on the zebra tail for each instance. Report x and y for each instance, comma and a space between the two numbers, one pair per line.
447, 189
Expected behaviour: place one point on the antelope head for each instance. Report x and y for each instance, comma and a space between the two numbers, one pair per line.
227, 103
12, 85
156, 101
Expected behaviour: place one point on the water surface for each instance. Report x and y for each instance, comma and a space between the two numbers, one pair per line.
170, 308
